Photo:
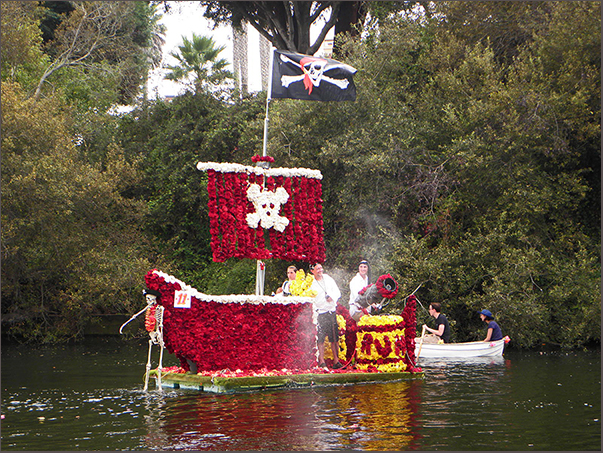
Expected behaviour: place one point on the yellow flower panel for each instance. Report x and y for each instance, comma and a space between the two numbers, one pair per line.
378, 321
376, 343
301, 285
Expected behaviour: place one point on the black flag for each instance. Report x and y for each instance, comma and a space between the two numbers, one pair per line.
298, 76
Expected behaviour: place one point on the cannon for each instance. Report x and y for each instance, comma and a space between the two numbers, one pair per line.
375, 294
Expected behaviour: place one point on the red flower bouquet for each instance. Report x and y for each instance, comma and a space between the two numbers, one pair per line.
410, 316
389, 291
149, 319
258, 158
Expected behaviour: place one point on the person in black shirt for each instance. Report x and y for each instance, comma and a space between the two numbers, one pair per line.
442, 329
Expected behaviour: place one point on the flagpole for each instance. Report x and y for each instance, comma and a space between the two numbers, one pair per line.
268, 98
260, 271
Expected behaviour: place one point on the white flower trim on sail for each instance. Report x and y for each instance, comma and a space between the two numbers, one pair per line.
267, 172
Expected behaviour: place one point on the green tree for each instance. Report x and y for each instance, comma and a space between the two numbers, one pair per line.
469, 166
71, 245
95, 45
199, 57
22, 57
175, 136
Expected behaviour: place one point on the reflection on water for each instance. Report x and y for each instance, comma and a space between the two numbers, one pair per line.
384, 416
460, 390
526, 401
365, 417
89, 397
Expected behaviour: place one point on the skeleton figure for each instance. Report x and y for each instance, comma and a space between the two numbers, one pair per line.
313, 73
267, 206
156, 337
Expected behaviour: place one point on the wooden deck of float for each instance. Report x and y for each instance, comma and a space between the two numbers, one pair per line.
218, 384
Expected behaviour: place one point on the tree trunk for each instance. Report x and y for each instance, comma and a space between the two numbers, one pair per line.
350, 14
240, 58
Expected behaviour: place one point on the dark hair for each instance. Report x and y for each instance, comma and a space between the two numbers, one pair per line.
368, 274
436, 306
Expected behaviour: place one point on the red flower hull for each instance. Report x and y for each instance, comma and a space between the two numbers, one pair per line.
253, 336
246, 336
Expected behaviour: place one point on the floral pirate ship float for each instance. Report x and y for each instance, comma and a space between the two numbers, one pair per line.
246, 342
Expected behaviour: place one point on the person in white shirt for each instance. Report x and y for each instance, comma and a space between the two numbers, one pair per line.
325, 304
361, 280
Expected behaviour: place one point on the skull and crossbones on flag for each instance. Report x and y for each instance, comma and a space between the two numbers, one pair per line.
305, 77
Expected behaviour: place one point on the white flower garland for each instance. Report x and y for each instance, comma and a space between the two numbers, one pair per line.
238, 168
234, 298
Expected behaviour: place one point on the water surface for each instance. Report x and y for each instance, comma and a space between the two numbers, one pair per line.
89, 397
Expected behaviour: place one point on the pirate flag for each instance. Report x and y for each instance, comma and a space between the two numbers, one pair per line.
298, 76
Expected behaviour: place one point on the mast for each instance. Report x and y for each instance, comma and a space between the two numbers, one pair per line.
260, 271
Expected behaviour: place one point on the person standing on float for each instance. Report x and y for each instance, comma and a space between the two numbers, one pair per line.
291, 272
361, 280
325, 304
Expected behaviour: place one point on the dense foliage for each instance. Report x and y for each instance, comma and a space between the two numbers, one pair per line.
468, 167
72, 244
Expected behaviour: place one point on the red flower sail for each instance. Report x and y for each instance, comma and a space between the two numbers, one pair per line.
262, 213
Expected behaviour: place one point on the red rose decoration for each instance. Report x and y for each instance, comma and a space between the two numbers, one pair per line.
248, 336
258, 158
387, 292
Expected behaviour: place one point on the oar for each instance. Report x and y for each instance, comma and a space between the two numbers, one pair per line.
420, 344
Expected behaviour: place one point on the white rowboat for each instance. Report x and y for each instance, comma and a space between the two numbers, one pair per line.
460, 350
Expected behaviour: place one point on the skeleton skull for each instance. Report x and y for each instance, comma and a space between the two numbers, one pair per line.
315, 70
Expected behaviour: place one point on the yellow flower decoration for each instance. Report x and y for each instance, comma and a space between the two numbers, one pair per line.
372, 356
389, 320
301, 285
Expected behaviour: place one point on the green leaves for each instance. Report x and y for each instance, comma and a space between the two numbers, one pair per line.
469, 166
199, 56
71, 240
466, 163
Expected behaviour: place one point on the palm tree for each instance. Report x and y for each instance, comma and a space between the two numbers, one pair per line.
199, 58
